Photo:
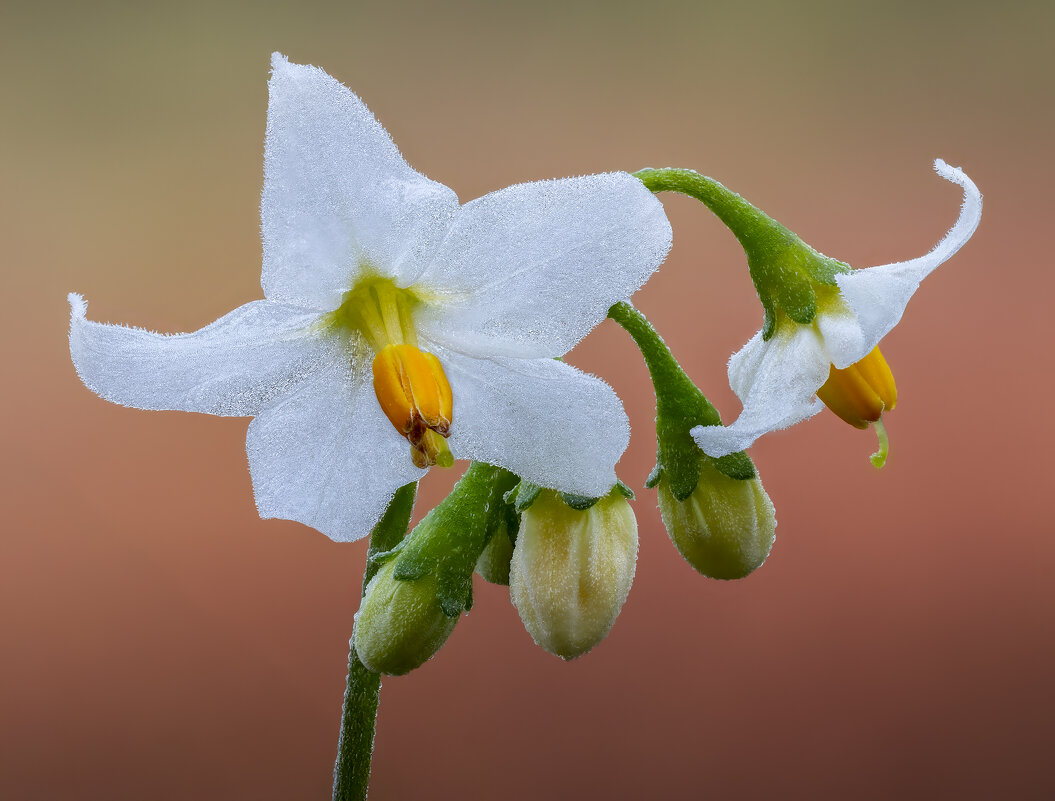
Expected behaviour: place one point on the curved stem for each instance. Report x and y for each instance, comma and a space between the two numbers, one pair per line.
741, 217
668, 378
680, 407
355, 744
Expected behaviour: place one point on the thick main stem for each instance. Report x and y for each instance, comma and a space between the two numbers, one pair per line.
355, 745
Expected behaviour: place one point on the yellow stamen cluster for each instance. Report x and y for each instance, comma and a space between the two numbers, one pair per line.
416, 397
410, 383
860, 393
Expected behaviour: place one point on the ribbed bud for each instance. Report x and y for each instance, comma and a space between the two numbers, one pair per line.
725, 528
571, 570
400, 625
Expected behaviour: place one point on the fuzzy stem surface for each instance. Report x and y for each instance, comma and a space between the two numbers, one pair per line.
355, 744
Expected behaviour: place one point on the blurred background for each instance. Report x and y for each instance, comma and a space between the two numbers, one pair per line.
161, 641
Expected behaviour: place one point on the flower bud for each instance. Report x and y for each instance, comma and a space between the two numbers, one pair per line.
725, 528
572, 569
400, 625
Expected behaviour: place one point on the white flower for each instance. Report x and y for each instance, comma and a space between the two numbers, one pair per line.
362, 256
778, 380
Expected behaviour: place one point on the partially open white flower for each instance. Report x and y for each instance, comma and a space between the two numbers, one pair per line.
778, 380
458, 311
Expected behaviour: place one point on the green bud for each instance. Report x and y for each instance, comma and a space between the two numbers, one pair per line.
572, 569
400, 624
493, 563
725, 528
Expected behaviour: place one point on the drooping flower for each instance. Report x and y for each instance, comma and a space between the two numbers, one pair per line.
392, 315
790, 370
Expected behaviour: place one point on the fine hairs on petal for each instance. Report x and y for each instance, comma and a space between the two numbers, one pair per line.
529, 270
542, 419
878, 296
970, 212
78, 305
338, 195
776, 382
235, 366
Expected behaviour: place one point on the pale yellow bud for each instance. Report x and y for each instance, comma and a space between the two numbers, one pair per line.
571, 570
400, 625
725, 529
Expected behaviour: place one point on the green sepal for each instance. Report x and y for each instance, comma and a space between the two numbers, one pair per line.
523, 495
654, 477
451, 537
735, 465
512, 523
578, 502
493, 562
378, 560
388, 536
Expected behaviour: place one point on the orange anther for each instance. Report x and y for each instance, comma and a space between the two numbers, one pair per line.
860, 393
414, 393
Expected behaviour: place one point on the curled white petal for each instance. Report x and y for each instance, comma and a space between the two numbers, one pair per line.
529, 270
776, 381
338, 197
327, 457
234, 366
878, 296
540, 418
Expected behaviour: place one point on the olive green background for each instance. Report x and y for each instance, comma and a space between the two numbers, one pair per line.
160, 641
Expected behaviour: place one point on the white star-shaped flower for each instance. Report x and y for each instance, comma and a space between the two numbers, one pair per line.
836, 356
457, 311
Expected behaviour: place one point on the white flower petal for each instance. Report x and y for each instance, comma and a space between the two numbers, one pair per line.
529, 270
338, 195
840, 330
546, 421
327, 457
776, 381
234, 366
878, 296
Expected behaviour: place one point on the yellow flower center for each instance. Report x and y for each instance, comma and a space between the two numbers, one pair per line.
410, 383
860, 393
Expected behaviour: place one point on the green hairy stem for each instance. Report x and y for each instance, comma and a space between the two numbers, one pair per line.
680, 406
787, 272
355, 745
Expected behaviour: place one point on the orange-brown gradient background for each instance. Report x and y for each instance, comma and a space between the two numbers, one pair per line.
161, 641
